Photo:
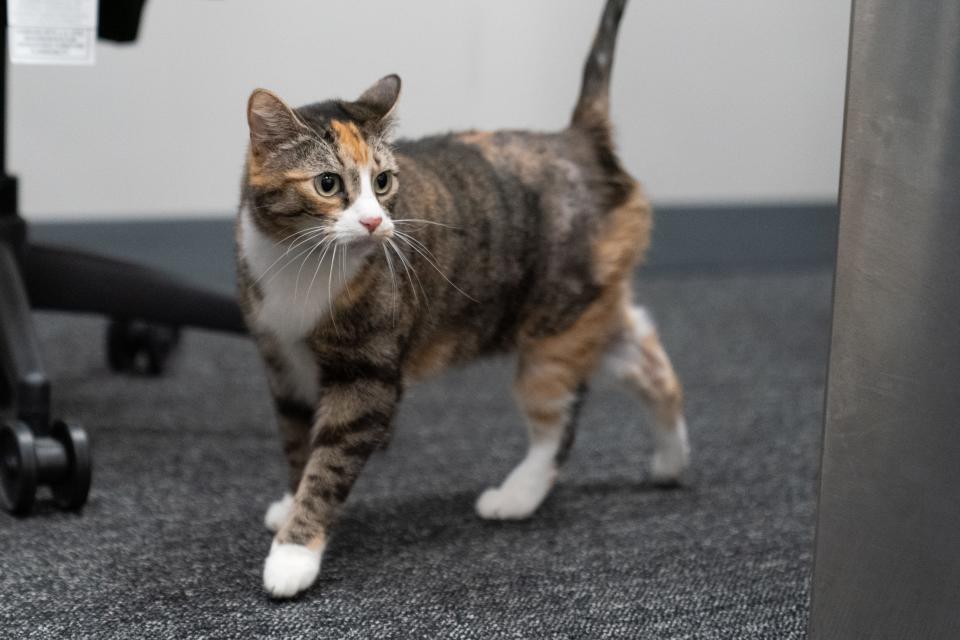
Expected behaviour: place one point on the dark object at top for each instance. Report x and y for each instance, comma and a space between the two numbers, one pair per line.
119, 20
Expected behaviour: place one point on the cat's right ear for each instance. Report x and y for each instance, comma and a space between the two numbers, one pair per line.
271, 121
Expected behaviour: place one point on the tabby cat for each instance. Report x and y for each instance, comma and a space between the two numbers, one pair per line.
366, 265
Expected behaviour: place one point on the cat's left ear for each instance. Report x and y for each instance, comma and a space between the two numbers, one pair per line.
376, 105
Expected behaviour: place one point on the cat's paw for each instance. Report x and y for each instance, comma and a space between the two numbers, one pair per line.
507, 504
278, 512
289, 569
669, 462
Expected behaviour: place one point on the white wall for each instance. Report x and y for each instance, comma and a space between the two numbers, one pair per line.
714, 101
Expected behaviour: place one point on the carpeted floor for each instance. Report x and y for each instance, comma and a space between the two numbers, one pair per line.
171, 543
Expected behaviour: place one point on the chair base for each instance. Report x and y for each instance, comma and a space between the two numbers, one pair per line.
147, 309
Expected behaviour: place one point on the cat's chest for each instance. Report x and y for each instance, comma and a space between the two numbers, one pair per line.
293, 288
297, 282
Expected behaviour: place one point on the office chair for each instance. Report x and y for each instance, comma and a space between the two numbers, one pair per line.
146, 308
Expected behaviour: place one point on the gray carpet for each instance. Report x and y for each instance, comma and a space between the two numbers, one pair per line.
171, 543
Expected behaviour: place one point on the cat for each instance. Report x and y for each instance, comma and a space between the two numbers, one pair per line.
366, 265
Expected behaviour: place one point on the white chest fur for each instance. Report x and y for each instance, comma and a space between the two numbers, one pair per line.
297, 286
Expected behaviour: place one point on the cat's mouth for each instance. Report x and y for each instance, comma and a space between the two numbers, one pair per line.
368, 239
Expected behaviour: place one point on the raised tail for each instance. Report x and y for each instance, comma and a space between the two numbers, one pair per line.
593, 107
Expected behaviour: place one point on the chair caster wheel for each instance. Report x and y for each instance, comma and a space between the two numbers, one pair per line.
18, 467
60, 460
138, 347
71, 488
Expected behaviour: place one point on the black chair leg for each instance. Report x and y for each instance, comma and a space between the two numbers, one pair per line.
34, 449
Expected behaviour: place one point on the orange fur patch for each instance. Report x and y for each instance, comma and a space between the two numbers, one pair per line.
318, 542
662, 387
475, 137
616, 250
258, 177
553, 367
623, 240
263, 178
351, 142
545, 416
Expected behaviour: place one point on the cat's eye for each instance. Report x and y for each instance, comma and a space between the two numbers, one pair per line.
327, 184
382, 183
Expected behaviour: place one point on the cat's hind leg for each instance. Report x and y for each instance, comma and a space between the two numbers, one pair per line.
551, 424
550, 385
638, 358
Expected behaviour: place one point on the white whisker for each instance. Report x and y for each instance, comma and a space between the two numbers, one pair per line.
296, 284
323, 255
422, 221
410, 241
393, 279
332, 301
344, 280
308, 234
407, 268
290, 261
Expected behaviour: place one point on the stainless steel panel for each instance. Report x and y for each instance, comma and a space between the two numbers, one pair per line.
888, 538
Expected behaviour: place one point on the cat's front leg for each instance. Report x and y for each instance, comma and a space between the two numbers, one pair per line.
292, 375
294, 419
356, 407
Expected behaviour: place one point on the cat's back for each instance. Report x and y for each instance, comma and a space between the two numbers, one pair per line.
540, 219
560, 177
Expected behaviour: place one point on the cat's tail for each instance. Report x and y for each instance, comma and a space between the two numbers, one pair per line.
593, 108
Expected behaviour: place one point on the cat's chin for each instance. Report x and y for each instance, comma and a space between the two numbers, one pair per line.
368, 242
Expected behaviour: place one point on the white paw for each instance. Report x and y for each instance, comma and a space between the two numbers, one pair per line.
668, 463
496, 504
277, 512
289, 569
666, 467
511, 502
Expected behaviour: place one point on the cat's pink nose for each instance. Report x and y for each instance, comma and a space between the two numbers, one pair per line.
371, 222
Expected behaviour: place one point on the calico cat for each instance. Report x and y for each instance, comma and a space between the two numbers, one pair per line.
365, 266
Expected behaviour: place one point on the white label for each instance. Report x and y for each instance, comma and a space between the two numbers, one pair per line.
52, 31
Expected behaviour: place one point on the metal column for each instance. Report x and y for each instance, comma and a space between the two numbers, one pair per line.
888, 533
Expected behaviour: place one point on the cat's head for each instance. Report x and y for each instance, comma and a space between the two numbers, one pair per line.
323, 166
